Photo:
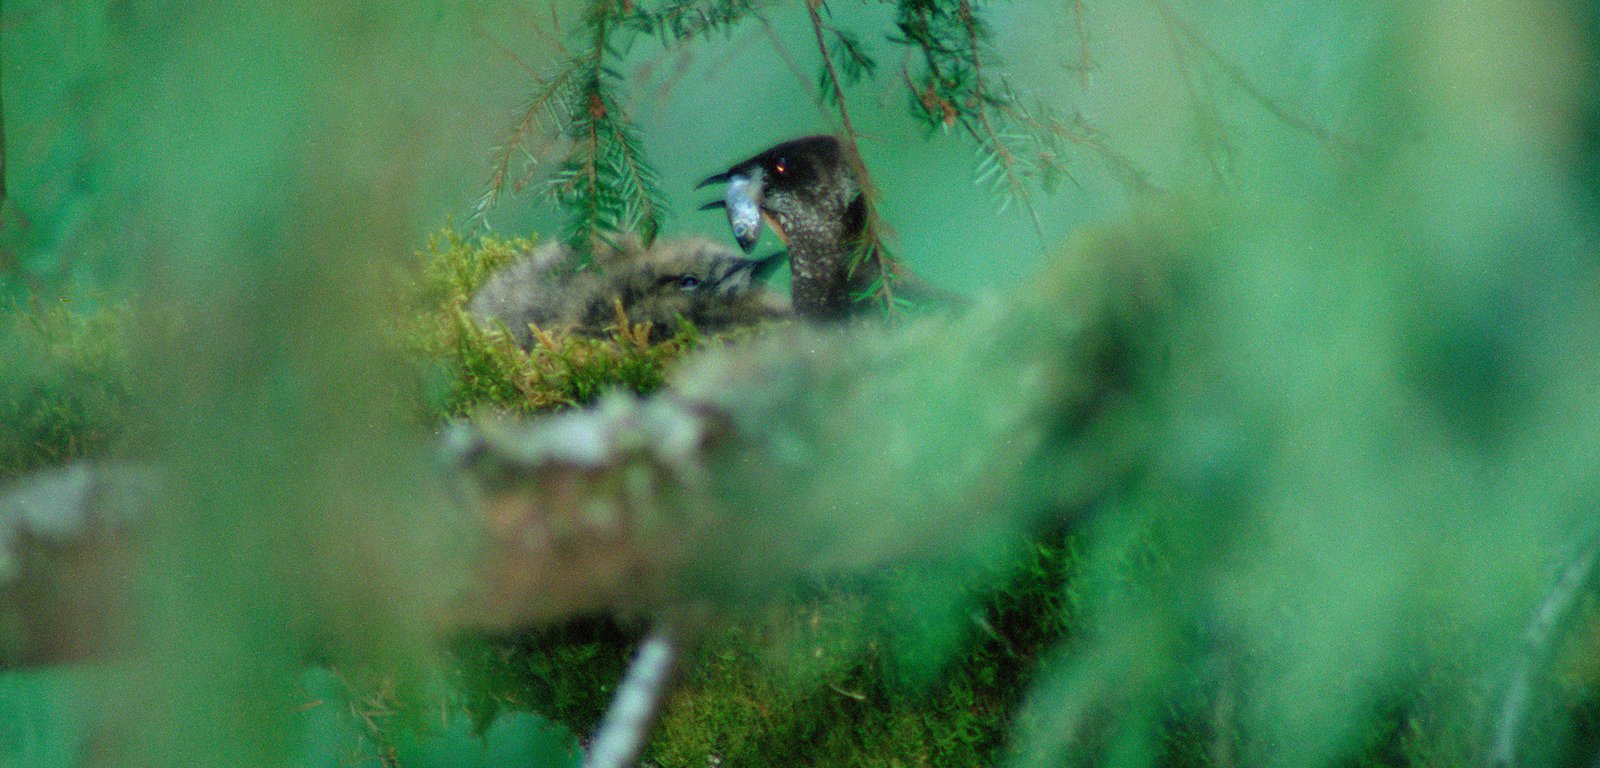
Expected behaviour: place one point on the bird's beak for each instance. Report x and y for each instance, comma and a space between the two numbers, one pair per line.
717, 178
743, 201
751, 271
761, 268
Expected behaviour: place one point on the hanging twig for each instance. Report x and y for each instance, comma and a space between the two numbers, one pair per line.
637, 706
1085, 61
1211, 134
871, 248
1085, 136
1234, 73
812, 7
788, 58
1540, 639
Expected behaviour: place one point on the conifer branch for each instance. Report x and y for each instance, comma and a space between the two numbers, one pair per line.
604, 182
680, 20
584, 189
643, 206
1002, 154
832, 74
532, 133
643, 507
854, 61
955, 91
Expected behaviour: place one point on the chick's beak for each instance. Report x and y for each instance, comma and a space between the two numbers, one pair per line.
743, 201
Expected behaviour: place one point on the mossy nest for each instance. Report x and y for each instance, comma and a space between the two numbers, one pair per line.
468, 367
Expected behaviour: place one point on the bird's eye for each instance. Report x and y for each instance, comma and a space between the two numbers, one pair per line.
687, 282
781, 167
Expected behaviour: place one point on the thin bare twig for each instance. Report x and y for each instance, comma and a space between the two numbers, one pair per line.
637, 705
507, 52
872, 244
1089, 139
1539, 640
1236, 74
1085, 61
788, 59
1206, 122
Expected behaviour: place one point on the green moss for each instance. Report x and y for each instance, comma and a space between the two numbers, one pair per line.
830, 678
64, 385
848, 677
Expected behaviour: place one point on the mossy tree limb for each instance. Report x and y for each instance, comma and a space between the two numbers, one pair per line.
741, 476
738, 479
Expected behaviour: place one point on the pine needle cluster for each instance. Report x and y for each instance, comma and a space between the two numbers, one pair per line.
678, 20
958, 87
602, 178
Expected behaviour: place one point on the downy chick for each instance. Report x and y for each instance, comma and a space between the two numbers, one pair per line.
708, 284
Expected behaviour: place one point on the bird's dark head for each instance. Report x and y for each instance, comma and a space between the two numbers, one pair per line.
804, 187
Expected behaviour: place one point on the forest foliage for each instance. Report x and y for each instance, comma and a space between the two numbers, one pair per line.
1326, 443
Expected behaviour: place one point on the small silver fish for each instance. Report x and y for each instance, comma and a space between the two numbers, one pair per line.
744, 208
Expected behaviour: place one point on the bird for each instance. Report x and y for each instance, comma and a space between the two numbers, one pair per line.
697, 279
808, 191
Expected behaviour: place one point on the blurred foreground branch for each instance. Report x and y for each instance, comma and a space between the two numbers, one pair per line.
808, 451
66, 559
805, 452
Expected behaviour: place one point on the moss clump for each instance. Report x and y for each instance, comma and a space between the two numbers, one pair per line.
467, 367
907, 668
873, 674
64, 386
848, 673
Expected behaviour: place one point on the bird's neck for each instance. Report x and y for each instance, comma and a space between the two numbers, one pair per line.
819, 263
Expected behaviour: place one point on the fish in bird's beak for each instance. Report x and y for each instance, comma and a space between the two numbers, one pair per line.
743, 201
